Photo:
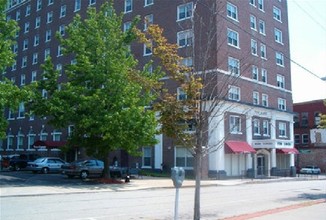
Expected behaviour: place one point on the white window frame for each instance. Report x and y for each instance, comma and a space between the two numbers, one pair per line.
234, 93
26, 27
181, 95
235, 124
278, 36
185, 155
28, 10
63, 11
280, 81
253, 22
34, 75
30, 140
48, 35
20, 140
252, 2
77, 5
24, 61
35, 58
126, 26
148, 2
281, 103
233, 38
255, 72
149, 19
256, 127
148, 49
22, 79
255, 98
234, 66
266, 128
25, 44
128, 6
185, 11
264, 100
282, 129
49, 17
62, 30
254, 46
147, 157
260, 4
37, 22
91, 2
36, 40
232, 11
185, 38
21, 111
305, 139
47, 52
277, 14
262, 27
279, 57
263, 51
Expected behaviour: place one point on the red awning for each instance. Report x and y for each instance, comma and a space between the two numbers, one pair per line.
236, 147
49, 144
287, 151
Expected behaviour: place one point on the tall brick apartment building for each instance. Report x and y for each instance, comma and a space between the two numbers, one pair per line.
308, 138
245, 40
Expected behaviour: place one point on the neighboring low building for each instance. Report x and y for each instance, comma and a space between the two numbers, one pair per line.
309, 139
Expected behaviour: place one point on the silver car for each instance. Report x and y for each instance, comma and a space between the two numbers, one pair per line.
83, 168
46, 165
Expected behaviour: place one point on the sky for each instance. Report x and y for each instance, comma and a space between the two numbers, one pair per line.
307, 29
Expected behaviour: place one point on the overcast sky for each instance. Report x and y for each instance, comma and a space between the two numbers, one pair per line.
307, 26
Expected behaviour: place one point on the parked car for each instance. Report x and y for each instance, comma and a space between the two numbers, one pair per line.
19, 162
310, 170
46, 165
83, 168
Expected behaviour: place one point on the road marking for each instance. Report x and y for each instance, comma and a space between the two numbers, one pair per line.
276, 210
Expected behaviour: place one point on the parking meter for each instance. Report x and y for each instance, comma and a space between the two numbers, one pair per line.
177, 175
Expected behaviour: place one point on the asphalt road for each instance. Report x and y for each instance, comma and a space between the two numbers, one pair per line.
217, 202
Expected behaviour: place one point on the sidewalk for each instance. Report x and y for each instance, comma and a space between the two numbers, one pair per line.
135, 184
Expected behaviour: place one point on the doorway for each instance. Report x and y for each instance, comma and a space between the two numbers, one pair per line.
260, 164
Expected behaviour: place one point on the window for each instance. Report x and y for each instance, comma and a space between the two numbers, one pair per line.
15, 48
21, 110
10, 115
22, 79
147, 49
234, 66
255, 98
31, 139
35, 58
253, 2
232, 11
38, 5
148, 21
126, 26
56, 135
181, 95
50, 2
185, 38
280, 81
253, 47
187, 62
59, 68
49, 17
48, 35
235, 124
253, 22
59, 54
77, 5
263, 51
296, 119
44, 94
281, 104
277, 14
234, 93
264, 100
43, 135
262, 27
304, 119
34, 74
24, 61
37, 22
183, 157
17, 15
71, 129
25, 44
261, 5
92, 2
266, 129
147, 157
148, 2
46, 53
233, 38
297, 139
62, 30
36, 40
20, 140
279, 58
254, 71
256, 127
10, 141
282, 129
14, 65
28, 10
278, 36
63, 11
26, 28
305, 138
317, 118
184, 11
128, 6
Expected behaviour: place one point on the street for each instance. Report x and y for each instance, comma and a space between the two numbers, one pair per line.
217, 202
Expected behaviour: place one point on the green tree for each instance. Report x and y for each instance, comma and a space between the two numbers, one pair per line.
322, 123
10, 94
104, 96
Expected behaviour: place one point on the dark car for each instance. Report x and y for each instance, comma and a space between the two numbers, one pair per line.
18, 162
84, 168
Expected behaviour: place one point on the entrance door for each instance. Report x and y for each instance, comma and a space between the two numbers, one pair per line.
260, 164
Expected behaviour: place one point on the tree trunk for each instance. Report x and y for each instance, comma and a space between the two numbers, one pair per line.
106, 171
198, 159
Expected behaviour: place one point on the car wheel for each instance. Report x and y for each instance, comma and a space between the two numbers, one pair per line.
16, 167
45, 170
83, 174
